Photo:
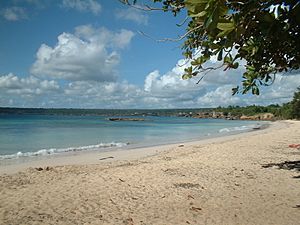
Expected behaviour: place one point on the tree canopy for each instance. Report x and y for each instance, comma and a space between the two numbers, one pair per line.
263, 34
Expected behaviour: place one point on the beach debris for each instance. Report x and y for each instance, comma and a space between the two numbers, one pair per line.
109, 157
286, 165
181, 145
187, 185
167, 158
294, 146
121, 180
190, 197
128, 221
47, 168
196, 209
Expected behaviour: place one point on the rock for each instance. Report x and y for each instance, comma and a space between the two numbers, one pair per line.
126, 119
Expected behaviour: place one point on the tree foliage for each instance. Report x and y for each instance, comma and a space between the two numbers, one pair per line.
295, 105
265, 34
289, 110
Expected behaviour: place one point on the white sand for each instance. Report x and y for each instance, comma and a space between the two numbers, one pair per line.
217, 181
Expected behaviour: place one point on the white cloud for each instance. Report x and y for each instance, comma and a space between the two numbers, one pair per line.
221, 96
89, 54
83, 5
14, 13
280, 91
132, 14
11, 83
214, 90
159, 90
99, 95
171, 86
28, 91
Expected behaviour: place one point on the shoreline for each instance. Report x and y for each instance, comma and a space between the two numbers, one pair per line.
249, 178
130, 152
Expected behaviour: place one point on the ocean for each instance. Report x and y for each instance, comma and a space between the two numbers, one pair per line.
41, 135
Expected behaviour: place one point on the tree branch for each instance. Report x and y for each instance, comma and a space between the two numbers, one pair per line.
147, 7
207, 70
172, 39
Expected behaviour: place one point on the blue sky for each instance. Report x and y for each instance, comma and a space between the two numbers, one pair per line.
90, 54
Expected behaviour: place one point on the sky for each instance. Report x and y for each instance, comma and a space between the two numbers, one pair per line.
103, 54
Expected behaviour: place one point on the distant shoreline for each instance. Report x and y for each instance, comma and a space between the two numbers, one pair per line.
130, 114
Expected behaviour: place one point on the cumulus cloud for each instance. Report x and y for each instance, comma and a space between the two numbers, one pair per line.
11, 83
88, 54
170, 85
99, 95
159, 90
221, 96
83, 5
214, 90
27, 91
14, 13
132, 14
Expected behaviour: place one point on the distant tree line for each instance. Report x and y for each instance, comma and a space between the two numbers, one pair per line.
290, 110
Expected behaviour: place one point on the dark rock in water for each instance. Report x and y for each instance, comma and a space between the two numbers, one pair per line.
126, 119
109, 157
256, 128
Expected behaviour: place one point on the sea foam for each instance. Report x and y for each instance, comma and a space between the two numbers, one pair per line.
241, 128
52, 151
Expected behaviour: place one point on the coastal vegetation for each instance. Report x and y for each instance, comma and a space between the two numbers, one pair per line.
261, 36
289, 110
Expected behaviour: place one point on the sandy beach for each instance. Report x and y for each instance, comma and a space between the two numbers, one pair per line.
230, 180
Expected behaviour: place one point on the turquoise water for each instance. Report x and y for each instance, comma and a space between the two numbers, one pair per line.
32, 135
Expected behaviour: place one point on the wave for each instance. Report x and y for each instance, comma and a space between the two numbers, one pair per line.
241, 128
52, 151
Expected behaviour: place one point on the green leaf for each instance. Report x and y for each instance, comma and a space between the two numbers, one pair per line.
201, 14
220, 55
250, 68
186, 76
227, 59
224, 33
255, 90
195, 6
188, 70
226, 26
235, 65
235, 90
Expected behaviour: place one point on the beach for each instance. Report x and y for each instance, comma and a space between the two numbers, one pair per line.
226, 180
